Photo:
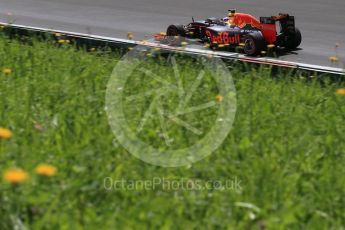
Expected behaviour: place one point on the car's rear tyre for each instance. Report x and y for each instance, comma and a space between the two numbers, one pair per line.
294, 39
254, 43
176, 30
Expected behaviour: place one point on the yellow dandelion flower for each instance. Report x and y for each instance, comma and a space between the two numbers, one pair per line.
57, 35
270, 46
242, 44
184, 43
219, 98
15, 176
341, 91
130, 35
5, 133
333, 59
45, 170
7, 71
61, 41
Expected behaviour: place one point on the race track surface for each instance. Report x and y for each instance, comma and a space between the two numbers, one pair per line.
322, 22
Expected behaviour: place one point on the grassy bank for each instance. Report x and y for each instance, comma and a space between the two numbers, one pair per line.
286, 150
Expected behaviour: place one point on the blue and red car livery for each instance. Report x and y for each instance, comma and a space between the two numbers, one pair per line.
242, 30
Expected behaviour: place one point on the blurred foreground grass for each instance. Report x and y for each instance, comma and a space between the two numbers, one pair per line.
286, 150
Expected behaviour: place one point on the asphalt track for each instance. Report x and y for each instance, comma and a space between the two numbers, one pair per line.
322, 22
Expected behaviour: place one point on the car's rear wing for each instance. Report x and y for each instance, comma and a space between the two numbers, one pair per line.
287, 24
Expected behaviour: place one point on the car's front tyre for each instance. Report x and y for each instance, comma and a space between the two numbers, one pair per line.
176, 30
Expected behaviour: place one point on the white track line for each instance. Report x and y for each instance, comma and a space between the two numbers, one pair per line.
223, 55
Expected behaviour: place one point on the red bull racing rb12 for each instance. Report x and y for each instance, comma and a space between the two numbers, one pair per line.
242, 30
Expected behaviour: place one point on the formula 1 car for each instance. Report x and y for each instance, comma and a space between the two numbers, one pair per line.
243, 30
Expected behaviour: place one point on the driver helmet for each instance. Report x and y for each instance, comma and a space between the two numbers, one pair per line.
231, 16
231, 13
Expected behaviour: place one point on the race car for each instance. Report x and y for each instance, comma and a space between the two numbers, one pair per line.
242, 30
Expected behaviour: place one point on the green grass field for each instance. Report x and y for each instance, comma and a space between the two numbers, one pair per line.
286, 150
